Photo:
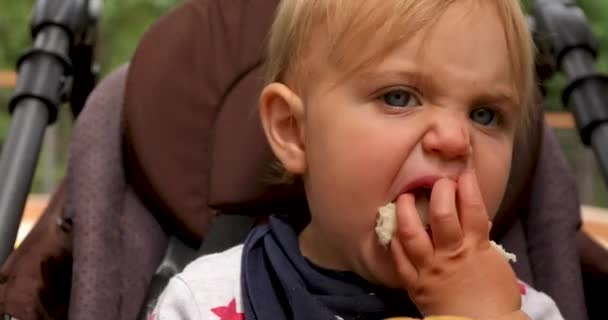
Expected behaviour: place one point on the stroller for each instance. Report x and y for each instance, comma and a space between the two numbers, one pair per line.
167, 160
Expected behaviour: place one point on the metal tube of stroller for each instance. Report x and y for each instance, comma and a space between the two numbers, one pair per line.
17, 165
44, 74
599, 137
565, 34
587, 95
39, 92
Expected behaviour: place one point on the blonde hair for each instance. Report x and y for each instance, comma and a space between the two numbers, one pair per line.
371, 29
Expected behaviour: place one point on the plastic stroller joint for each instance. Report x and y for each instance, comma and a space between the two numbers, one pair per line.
563, 31
70, 15
43, 71
587, 95
563, 27
45, 77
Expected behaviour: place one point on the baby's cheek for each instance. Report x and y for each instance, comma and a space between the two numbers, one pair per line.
493, 176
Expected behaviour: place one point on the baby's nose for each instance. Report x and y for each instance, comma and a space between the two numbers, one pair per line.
449, 138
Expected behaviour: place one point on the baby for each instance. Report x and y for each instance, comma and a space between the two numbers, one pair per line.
370, 102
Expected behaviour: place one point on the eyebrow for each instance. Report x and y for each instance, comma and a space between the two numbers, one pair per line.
500, 98
416, 79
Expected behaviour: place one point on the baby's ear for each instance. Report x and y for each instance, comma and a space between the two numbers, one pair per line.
282, 115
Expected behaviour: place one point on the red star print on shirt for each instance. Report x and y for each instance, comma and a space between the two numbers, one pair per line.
522, 289
228, 312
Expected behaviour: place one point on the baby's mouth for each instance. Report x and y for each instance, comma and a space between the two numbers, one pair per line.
386, 223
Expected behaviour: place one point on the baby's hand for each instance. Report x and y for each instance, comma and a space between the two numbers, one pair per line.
454, 270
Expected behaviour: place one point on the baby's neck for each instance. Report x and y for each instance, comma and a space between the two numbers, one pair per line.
317, 250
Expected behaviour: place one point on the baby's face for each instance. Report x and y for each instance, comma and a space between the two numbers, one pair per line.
442, 102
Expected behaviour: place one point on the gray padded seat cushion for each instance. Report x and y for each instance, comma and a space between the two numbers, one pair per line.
544, 236
117, 242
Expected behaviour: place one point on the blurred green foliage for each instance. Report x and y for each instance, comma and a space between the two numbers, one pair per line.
122, 24
597, 13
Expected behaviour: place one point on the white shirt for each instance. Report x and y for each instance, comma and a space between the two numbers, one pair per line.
209, 288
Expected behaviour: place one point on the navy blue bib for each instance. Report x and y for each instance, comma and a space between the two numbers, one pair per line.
280, 284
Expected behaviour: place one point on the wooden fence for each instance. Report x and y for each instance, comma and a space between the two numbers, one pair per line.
8, 79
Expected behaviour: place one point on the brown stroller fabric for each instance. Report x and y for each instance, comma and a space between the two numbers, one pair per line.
551, 223
35, 280
111, 270
164, 145
169, 148
192, 130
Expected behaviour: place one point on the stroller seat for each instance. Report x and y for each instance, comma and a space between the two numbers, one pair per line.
171, 147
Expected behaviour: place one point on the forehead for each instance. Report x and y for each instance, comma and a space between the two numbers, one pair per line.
465, 35
466, 45
463, 50
351, 34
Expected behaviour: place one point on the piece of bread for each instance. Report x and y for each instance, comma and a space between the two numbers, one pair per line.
386, 225
508, 255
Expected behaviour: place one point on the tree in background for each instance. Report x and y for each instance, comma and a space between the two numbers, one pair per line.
122, 24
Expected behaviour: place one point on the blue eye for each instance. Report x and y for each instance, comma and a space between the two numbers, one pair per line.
484, 116
400, 98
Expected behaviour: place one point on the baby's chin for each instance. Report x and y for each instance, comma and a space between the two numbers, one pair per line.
386, 276
378, 267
